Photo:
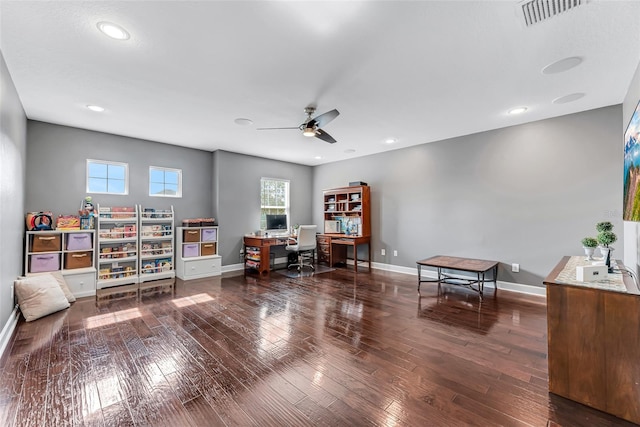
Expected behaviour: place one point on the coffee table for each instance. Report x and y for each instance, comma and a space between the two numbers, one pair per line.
478, 266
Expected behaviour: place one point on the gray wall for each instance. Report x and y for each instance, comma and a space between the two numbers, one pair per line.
56, 161
13, 141
238, 196
525, 194
631, 229
222, 184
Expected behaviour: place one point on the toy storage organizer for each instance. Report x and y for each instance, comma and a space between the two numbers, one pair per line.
53, 250
71, 252
197, 248
135, 249
156, 248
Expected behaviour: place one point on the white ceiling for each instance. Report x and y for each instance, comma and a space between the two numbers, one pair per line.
417, 71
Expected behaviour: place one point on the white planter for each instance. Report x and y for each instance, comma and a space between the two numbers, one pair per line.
589, 253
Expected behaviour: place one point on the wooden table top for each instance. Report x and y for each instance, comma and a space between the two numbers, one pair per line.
457, 263
346, 239
553, 279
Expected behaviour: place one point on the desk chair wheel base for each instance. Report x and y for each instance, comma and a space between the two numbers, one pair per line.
301, 264
299, 268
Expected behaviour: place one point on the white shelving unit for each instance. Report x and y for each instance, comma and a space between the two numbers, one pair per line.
72, 252
156, 243
117, 258
198, 250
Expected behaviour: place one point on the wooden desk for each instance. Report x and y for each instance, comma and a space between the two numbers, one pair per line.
594, 342
478, 266
338, 244
261, 246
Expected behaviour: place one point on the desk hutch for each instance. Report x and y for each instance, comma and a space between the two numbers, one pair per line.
352, 207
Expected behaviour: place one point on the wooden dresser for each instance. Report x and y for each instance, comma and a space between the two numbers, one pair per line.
594, 341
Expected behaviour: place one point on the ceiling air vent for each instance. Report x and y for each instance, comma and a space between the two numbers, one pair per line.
535, 11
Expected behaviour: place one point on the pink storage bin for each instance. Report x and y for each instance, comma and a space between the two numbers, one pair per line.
79, 241
190, 250
44, 262
209, 234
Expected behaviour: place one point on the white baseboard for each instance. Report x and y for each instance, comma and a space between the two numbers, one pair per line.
395, 268
91, 293
522, 288
8, 329
232, 267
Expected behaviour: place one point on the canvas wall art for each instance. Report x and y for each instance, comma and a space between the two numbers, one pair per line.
632, 168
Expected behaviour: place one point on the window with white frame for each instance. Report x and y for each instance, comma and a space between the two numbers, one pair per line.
165, 182
274, 198
107, 177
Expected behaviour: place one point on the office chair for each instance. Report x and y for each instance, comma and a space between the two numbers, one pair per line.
305, 246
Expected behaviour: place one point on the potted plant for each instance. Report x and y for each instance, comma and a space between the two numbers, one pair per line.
589, 244
605, 238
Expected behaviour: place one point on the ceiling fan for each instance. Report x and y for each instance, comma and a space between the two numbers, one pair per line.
312, 125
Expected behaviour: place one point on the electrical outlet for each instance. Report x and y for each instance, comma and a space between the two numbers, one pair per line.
383, 252
395, 253
515, 268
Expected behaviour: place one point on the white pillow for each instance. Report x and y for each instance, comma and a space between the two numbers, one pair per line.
61, 281
39, 296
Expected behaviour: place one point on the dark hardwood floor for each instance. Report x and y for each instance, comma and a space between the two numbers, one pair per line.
336, 349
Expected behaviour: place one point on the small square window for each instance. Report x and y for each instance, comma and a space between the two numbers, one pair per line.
165, 182
107, 177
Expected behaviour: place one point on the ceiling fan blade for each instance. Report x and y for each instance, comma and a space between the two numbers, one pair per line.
325, 118
325, 136
297, 127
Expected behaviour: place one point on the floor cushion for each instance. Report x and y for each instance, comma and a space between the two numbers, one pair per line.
39, 296
61, 281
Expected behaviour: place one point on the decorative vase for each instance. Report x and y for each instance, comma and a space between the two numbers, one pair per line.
589, 253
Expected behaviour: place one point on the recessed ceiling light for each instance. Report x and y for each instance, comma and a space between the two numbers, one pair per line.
517, 110
243, 122
390, 141
349, 150
96, 108
562, 65
568, 98
112, 30
318, 157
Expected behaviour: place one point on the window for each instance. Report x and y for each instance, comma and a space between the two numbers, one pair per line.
107, 177
165, 182
274, 198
